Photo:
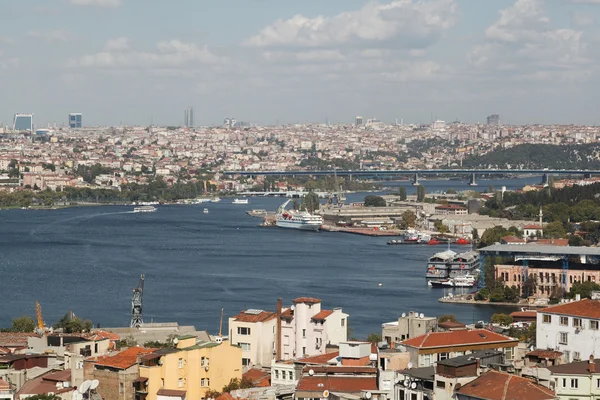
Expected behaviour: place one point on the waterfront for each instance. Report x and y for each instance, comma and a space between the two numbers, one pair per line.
88, 259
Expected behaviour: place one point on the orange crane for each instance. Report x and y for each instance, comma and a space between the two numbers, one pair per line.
38, 313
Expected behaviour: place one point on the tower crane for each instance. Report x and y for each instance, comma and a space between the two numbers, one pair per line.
136, 304
38, 313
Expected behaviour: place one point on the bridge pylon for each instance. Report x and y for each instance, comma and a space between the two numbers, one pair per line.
415, 181
472, 181
545, 180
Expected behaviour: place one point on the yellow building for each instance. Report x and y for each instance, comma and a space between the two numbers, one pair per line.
188, 371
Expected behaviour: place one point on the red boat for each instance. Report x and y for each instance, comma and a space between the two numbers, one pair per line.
434, 242
463, 241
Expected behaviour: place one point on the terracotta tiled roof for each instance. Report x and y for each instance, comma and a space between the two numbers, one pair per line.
512, 239
322, 315
307, 300
15, 339
502, 386
46, 383
342, 384
356, 362
171, 393
259, 377
99, 335
457, 338
554, 242
583, 308
575, 368
524, 314
549, 354
225, 396
263, 316
287, 314
4, 385
320, 359
336, 369
124, 359
533, 226
451, 325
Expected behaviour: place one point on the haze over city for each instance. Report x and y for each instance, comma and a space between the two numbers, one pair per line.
268, 61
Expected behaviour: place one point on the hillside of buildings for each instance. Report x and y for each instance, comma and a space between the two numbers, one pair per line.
570, 156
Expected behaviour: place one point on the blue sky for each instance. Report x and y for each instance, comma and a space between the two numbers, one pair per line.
262, 61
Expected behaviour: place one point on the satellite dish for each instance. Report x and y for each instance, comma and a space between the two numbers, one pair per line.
421, 315
311, 372
325, 394
403, 315
94, 384
175, 341
410, 365
85, 386
406, 382
413, 385
368, 395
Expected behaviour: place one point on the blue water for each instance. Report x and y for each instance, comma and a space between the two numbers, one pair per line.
89, 259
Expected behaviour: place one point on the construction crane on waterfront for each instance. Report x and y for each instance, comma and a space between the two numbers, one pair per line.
136, 304
38, 313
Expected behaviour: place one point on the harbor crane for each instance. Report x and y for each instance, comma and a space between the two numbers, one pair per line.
38, 314
136, 304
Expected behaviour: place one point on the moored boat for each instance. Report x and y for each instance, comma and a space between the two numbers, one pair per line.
240, 201
144, 209
294, 219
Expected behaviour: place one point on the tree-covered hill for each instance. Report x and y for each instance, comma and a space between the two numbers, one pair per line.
539, 156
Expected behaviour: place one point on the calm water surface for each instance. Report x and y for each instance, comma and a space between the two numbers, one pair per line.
88, 259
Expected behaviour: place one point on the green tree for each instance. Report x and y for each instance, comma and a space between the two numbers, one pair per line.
447, 318
555, 230
502, 319
310, 202
402, 193
44, 397
421, 192
584, 289
408, 219
23, 324
374, 337
529, 286
511, 294
483, 294
375, 201
497, 295
575, 241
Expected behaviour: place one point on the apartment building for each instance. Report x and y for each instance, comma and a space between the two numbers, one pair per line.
255, 332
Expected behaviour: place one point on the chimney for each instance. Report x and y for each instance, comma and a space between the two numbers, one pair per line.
278, 339
592, 365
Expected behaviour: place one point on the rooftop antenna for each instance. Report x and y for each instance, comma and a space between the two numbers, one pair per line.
221, 324
136, 304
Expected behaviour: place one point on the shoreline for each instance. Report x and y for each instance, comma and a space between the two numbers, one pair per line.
459, 299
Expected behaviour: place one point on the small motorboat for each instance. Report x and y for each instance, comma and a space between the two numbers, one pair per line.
463, 241
205, 211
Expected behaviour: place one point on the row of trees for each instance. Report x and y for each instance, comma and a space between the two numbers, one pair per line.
26, 323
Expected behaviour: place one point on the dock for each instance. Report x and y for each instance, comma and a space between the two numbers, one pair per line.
362, 231
468, 299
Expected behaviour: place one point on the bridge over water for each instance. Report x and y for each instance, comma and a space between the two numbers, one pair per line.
546, 172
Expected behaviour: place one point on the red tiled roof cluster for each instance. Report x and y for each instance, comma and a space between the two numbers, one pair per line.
15, 339
342, 384
259, 377
263, 316
495, 385
457, 338
124, 359
541, 353
319, 359
356, 362
584, 308
336, 369
533, 226
46, 384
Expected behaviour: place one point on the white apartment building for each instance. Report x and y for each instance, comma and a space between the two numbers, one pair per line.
571, 328
306, 330
255, 332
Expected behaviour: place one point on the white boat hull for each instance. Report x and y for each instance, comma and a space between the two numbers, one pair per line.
305, 226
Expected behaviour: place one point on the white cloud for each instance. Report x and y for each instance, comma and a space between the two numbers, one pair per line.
523, 42
51, 36
97, 3
168, 54
580, 19
405, 22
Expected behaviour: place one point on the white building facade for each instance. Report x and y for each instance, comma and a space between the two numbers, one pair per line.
571, 328
255, 332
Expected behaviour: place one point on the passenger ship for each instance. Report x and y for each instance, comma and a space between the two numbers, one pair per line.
449, 264
302, 220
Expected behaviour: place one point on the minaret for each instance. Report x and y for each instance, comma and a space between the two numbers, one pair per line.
541, 217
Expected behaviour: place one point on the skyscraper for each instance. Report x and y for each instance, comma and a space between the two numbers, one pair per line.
75, 120
23, 122
493, 119
358, 121
188, 120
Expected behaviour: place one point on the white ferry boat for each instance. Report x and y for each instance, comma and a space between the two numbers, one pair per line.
240, 201
297, 219
466, 281
216, 200
144, 209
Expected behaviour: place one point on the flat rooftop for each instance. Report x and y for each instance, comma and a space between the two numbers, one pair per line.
542, 249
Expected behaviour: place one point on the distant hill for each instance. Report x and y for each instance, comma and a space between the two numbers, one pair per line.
539, 156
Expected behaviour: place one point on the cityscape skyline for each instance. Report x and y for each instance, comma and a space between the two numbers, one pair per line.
531, 61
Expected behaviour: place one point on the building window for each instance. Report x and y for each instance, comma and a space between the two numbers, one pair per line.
303, 333
564, 338
577, 322
121, 387
303, 350
564, 382
564, 321
204, 361
574, 383
442, 356
441, 384
509, 353
203, 382
245, 362
597, 383
162, 382
343, 321
96, 348
180, 364
243, 330
547, 319
594, 325
426, 360
576, 356
180, 382
277, 374
245, 346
